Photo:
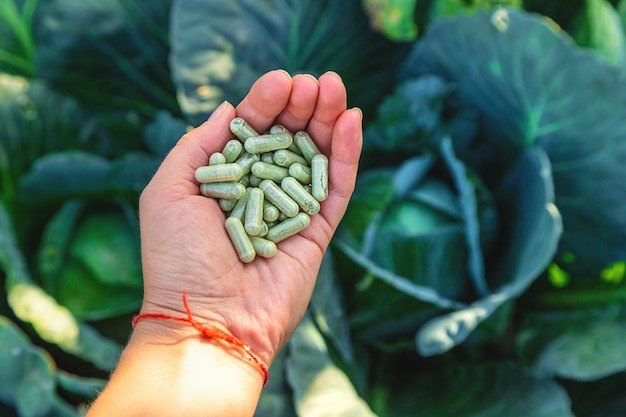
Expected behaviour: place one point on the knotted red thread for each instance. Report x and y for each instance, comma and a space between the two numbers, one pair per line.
210, 332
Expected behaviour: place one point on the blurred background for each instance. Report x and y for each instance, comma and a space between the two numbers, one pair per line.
479, 270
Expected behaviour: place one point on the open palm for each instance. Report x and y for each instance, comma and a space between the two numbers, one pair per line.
185, 246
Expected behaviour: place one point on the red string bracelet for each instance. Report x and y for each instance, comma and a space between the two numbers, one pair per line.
210, 332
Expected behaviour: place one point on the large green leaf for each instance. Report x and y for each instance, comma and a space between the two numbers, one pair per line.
406, 121
112, 56
534, 87
533, 231
35, 120
17, 46
163, 132
27, 373
89, 259
328, 311
584, 344
320, 388
470, 390
601, 28
276, 399
53, 322
219, 48
75, 174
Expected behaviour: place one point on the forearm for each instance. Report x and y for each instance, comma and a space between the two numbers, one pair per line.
174, 373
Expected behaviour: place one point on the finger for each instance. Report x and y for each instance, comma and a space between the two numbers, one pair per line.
267, 98
301, 105
347, 141
193, 150
331, 103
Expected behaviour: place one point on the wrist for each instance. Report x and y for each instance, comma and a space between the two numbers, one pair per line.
173, 327
169, 369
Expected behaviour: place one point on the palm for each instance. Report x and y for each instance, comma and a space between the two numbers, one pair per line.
184, 243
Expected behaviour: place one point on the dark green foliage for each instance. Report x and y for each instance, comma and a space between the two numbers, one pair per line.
480, 268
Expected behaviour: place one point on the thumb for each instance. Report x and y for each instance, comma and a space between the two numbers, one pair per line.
193, 150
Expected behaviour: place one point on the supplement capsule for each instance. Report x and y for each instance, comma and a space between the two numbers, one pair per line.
264, 229
285, 158
254, 180
279, 198
230, 190
269, 172
246, 160
270, 212
300, 172
254, 212
319, 177
263, 247
301, 196
306, 145
232, 150
239, 210
267, 143
240, 239
219, 173
245, 180
288, 227
268, 157
217, 158
227, 204
242, 129
282, 129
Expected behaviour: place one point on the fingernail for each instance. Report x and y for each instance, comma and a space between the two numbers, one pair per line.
360, 111
218, 110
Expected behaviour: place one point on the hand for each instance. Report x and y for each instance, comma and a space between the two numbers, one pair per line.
185, 246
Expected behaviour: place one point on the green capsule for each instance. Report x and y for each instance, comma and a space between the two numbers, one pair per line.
300, 172
217, 158
232, 150
267, 143
245, 180
254, 212
295, 190
268, 157
306, 145
246, 160
282, 129
240, 239
239, 210
269, 172
263, 247
319, 177
227, 204
242, 129
219, 173
288, 227
285, 158
275, 195
279, 129
254, 180
264, 229
270, 212
232, 190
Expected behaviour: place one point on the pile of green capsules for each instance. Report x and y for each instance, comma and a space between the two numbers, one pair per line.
267, 184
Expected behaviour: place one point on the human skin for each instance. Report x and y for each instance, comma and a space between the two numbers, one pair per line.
168, 368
